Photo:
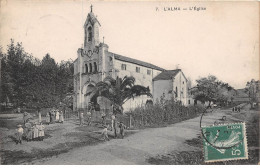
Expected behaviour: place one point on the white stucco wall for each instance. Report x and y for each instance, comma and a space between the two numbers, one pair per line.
141, 78
180, 82
161, 87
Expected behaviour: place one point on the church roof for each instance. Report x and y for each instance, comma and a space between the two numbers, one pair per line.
92, 18
167, 75
138, 62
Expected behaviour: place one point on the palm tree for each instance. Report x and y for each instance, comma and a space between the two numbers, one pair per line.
118, 91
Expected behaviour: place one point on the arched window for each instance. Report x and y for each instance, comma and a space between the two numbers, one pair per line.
89, 34
86, 68
95, 67
176, 90
90, 67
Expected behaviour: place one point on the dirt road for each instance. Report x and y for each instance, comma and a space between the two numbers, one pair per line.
137, 148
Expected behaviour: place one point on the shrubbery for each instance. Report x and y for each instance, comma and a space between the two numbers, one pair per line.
163, 113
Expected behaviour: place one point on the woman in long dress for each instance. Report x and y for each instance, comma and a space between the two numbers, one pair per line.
52, 116
47, 118
57, 115
61, 118
29, 135
40, 117
41, 131
35, 132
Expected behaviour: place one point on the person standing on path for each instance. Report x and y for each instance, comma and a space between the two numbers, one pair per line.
81, 118
19, 134
61, 117
47, 120
57, 115
112, 121
104, 133
103, 116
115, 126
122, 128
29, 135
41, 131
35, 132
18, 110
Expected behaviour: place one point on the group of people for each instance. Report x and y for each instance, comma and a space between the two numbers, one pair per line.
54, 116
236, 108
114, 127
30, 132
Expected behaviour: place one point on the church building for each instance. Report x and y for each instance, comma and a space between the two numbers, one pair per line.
95, 62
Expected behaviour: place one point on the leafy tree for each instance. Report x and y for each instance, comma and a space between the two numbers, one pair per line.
118, 91
252, 88
212, 90
28, 81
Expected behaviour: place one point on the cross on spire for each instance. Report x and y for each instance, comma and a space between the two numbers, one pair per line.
91, 8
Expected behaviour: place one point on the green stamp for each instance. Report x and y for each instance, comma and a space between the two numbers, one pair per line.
224, 142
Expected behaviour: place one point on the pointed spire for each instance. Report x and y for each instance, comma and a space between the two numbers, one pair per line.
91, 8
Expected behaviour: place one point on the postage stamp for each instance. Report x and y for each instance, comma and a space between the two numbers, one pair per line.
224, 142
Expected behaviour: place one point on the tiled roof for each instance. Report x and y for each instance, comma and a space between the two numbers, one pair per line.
138, 62
167, 75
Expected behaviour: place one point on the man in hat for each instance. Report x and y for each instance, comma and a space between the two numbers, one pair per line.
19, 134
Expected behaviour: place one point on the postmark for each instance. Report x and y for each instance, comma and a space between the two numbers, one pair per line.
225, 142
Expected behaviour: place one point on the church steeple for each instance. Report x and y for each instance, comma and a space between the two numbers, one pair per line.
91, 28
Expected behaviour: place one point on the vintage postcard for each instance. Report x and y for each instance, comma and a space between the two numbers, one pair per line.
129, 82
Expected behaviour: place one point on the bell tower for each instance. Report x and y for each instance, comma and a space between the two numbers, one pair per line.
91, 30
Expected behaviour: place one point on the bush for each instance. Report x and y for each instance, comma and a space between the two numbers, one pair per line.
163, 113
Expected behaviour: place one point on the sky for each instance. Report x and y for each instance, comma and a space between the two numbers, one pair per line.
222, 40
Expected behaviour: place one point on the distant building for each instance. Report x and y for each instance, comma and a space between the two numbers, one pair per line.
95, 62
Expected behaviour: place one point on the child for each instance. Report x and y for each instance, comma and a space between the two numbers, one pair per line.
41, 131
122, 128
104, 133
19, 134
35, 132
